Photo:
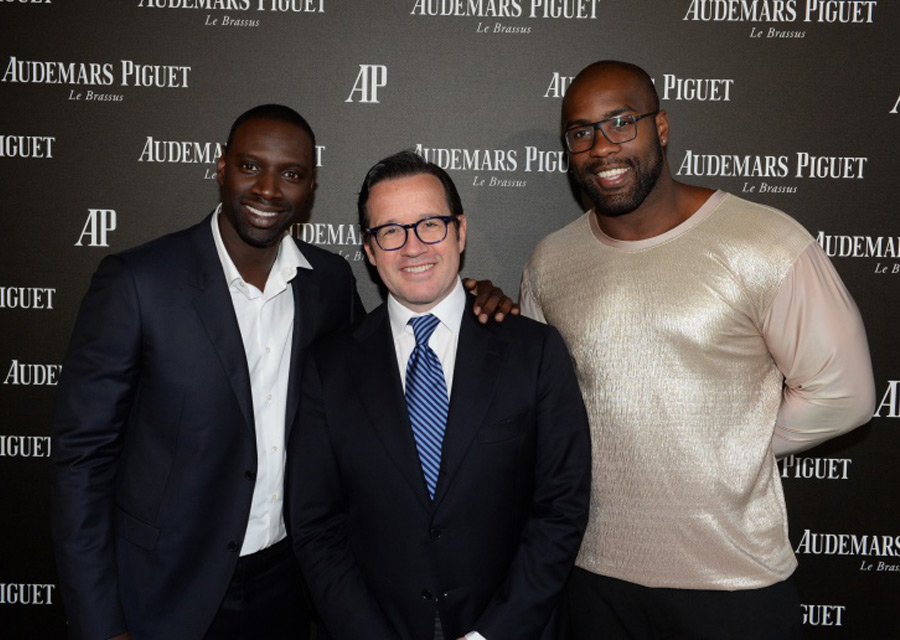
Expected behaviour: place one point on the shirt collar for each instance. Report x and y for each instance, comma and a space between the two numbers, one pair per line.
288, 260
449, 311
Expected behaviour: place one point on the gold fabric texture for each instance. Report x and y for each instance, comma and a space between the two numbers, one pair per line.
681, 391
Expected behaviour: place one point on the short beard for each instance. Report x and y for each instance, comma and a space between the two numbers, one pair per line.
624, 203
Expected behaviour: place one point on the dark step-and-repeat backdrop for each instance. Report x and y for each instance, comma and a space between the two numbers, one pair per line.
113, 112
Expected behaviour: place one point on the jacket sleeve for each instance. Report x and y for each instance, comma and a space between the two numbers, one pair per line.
93, 400
552, 534
317, 503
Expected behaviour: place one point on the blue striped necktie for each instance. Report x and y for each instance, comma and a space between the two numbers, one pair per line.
426, 399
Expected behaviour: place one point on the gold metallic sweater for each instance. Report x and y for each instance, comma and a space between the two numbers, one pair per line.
702, 354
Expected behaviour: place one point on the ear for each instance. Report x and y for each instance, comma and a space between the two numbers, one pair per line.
220, 168
662, 127
370, 253
461, 232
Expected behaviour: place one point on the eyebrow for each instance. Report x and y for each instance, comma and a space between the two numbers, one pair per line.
251, 155
609, 114
425, 215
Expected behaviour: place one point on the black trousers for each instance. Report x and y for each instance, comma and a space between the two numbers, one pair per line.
603, 608
266, 599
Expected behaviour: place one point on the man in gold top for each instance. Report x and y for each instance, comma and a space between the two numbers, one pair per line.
710, 335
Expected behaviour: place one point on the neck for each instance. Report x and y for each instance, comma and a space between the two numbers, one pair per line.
668, 205
253, 263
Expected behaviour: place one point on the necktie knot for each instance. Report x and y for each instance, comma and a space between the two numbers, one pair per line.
423, 327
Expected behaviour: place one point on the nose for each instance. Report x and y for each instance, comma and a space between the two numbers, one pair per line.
267, 185
413, 246
602, 146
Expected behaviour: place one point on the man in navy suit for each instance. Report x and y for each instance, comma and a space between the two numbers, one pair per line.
169, 429
416, 515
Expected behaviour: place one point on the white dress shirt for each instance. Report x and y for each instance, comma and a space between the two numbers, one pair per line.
266, 321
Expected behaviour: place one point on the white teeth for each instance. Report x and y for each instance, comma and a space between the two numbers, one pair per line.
261, 214
419, 269
609, 174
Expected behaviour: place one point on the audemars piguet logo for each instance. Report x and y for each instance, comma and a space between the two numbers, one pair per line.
19, 146
830, 11
559, 83
823, 615
335, 236
369, 80
781, 12
889, 407
206, 153
18, 593
128, 73
801, 165
546, 9
528, 159
673, 87
886, 248
97, 227
506, 10
282, 6
804, 468
12, 446
79, 75
696, 89
30, 374
180, 151
32, 298
848, 544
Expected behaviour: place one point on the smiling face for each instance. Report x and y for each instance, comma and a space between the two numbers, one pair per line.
265, 177
418, 275
616, 177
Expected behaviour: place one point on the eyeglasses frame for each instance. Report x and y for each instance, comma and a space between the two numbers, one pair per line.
373, 231
598, 126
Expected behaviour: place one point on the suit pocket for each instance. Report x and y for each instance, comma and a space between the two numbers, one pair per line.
507, 429
135, 531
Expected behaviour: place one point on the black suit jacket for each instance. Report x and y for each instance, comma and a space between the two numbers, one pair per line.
154, 450
494, 548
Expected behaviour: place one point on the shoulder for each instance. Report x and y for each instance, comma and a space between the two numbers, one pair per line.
169, 251
520, 331
761, 224
320, 258
562, 240
373, 325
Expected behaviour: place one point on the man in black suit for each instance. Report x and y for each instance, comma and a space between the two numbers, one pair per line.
169, 429
417, 517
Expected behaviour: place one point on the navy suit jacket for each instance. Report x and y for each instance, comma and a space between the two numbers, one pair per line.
493, 549
154, 449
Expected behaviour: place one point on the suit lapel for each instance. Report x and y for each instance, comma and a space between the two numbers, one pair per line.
306, 293
216, 311
377, 380
479, 357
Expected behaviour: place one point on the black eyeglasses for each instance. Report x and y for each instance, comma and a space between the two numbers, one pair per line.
617, 130
393, 236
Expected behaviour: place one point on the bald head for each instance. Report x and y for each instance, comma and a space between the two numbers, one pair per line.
612, 75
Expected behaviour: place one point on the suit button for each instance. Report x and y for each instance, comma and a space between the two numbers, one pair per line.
436, 534
250, 474
233, 546
427, 595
